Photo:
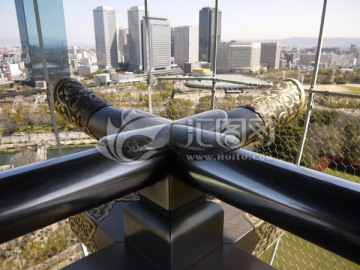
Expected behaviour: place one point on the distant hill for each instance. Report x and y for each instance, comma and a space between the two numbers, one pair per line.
312, 42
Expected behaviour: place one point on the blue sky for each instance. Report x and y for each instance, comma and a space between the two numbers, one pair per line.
242, 19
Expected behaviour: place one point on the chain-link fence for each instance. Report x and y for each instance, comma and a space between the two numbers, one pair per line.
27, 135
332, 142
292, 252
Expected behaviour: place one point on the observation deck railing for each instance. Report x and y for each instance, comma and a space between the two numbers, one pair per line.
312, 205
260, 189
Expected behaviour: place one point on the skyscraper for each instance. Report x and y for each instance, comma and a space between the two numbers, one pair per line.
135, 16
123, 45
206, 33
52, 28
270, 55
105, 36
186, 42
172, 42
159, 45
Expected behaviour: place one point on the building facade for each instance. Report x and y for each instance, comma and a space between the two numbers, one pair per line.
270, 55
124, 54
158, 58
326, 60
51, 30
186, 45
206, 33
135, 16
105, 37
238, 57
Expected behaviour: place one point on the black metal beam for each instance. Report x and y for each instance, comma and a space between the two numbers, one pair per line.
37, 195
315, 206
312, 205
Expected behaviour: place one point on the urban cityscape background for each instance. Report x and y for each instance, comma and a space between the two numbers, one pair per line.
164, 66
186, 49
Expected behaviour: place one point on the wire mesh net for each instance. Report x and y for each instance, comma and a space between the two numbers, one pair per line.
332, 143
332, 146
293, 252
180, 100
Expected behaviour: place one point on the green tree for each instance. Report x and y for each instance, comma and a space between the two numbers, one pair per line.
37, 251
325, 117
18, 116
328, 80
285, 145
141, 85
178, 108
169, 86
351, 145
203, 105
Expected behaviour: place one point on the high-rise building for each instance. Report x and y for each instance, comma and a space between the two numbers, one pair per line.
159, 45
105, 37
53, 36
270, 55
186, 45
206, 33
172, 42
135, 16
124, 54
354, 48
238, 57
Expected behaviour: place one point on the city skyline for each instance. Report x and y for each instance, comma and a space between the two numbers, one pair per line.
272, 19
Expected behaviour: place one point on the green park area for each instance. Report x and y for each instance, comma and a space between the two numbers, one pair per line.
344, 175
353, 89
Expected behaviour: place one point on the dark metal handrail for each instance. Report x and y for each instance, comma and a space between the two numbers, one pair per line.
313, 205
40, 194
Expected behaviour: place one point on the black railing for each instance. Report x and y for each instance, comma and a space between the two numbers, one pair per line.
142, 149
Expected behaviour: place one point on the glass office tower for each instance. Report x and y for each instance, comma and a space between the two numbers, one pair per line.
206, 33
159, 45
52, 25
105, 37
135, 16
